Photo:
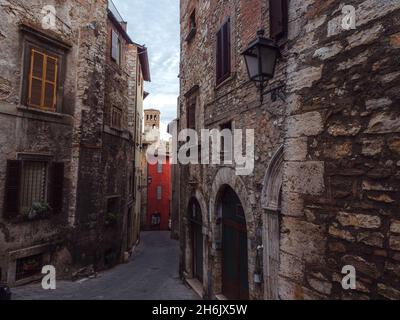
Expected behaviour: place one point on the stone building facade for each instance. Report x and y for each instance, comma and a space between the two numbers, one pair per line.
324, 192
68, 121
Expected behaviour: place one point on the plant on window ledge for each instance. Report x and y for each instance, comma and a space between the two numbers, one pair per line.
111, 219
38, 210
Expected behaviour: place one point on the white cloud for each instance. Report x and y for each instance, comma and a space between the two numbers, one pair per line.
155, 23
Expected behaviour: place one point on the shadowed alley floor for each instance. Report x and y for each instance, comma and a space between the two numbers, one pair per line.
151, 274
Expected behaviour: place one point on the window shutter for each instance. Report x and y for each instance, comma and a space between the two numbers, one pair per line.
43, 78
219, 55
13, 180
191, 113
36, 78
226, 49
115, 47
223, 52
51, 83
56, 186
278, 18
114, 44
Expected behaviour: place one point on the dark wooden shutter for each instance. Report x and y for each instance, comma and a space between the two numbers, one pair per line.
56, 186
226, 48
219, 55
223, 52
191, 113
11, 194
278, 10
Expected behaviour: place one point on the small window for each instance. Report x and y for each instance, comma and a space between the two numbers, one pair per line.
116, 118
29, 267
159, 193
227, 144
160, 167
113, 205
34, 185
192, 20
115, 47
191, 113
223, 52
192, 26
278, 10
34, 188
43, 79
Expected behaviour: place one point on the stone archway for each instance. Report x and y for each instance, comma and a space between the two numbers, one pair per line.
226, 177
271, 193
196, 242
271, 201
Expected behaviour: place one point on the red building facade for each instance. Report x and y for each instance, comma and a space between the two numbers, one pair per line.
159, 196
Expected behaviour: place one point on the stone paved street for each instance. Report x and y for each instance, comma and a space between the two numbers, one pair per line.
151, 274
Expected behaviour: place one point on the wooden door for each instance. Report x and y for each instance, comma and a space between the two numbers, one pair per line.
235, 285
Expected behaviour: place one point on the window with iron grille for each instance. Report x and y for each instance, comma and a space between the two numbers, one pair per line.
33, 185
116, 117
223, 57
29, 267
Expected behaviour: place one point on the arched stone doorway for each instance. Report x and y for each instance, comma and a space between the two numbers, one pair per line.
271, 201
196, 239
235, 282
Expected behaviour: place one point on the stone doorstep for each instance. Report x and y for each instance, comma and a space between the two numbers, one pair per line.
221, 297
196, 285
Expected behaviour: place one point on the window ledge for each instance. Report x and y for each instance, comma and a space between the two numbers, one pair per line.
38, 114
123, 134
225, 81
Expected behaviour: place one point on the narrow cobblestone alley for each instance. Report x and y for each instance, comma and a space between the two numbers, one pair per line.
151, 274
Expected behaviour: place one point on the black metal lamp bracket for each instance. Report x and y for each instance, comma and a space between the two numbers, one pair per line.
276, 92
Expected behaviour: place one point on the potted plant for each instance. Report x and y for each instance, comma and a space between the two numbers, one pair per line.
111, 219
38, 210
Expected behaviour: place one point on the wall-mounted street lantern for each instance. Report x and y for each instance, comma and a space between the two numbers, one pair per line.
261, 56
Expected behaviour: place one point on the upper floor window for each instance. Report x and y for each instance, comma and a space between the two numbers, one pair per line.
44, 64
223, 52
116, 117
192, 26
191, 112
159, 167
115, 47
159, 193
278, 10
43, 79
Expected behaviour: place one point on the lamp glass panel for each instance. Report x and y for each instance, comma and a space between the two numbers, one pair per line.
252, 64
268, 60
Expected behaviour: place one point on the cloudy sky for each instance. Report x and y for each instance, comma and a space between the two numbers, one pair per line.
155, 23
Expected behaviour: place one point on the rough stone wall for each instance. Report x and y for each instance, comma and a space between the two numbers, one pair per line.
339, 128
26, 132
344, 118
237, 100
75, 136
